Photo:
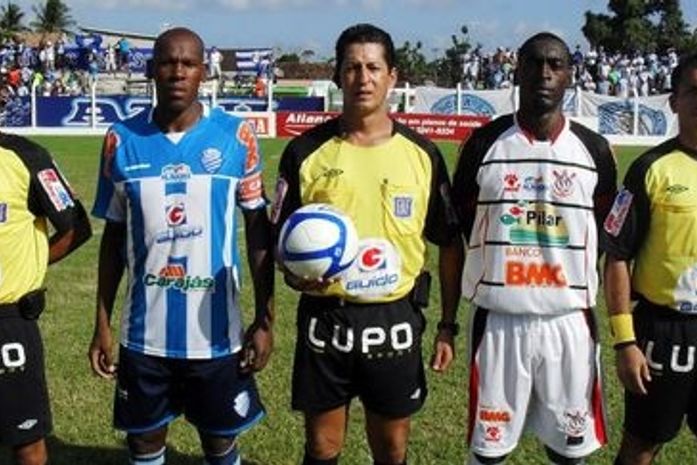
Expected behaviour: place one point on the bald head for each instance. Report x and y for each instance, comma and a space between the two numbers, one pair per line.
175, 35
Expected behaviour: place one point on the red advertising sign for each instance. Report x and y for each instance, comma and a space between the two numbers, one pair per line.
448, 127
259, 121
292, 123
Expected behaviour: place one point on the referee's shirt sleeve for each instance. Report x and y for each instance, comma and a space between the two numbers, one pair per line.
626, 225
50, 195
287, 191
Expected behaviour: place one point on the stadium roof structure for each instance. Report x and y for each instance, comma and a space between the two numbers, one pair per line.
116, 33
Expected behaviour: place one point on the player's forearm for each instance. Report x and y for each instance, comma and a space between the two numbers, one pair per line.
110, 269
261, 263
61, 244
618, 301
262, 270
450, 262
617, 286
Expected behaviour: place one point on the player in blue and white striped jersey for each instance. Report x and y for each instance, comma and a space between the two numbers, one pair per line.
169, 185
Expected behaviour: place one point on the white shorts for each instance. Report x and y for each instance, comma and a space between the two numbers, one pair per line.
539, 371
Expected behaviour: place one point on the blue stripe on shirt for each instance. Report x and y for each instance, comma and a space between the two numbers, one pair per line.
220, 342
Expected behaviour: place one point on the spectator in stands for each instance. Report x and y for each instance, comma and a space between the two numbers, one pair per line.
215, 61
110, 59
260, 86
124, 54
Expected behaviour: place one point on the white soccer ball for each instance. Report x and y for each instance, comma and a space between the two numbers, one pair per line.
318, 241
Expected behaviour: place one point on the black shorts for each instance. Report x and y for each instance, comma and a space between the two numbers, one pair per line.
669, 340
25, 414
213, 394
369, 351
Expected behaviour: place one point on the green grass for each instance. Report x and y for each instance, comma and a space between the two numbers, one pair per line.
82, 403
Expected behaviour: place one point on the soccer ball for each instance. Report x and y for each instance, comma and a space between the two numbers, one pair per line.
318, 241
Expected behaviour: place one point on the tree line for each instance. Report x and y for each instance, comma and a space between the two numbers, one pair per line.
629, 27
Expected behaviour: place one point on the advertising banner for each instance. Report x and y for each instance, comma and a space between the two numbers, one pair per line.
486, 103
650, 116
447, 127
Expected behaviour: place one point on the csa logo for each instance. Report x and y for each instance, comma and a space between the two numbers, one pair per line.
211, 159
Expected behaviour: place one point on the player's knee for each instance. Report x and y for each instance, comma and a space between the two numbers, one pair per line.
31, 454
220, 450
636, 450
147, 448
556, 458
476, 459
323, 446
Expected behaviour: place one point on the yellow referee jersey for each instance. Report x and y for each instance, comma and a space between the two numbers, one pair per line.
654, 223
396, 193
32, 191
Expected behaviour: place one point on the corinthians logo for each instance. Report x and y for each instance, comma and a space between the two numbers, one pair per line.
535, 226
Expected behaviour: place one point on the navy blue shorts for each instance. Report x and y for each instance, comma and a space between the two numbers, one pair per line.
213, 394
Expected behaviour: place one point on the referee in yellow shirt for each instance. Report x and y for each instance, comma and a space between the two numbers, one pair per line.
33, 193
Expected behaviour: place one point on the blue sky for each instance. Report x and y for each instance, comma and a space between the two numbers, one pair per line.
296, 25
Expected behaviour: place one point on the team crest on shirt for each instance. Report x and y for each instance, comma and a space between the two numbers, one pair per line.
3, 212
618, 214
211, 160
55, 189
403, 206
563, 185
242, 404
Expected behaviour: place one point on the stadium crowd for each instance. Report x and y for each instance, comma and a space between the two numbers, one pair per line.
53, 70
596, 71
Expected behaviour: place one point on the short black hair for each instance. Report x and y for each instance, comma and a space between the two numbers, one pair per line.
177, 31
686, 63
362, 33
525, 49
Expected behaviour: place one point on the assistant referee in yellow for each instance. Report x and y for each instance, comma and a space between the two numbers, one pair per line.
33, 193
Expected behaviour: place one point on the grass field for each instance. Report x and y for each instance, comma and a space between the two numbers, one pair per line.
82, 403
